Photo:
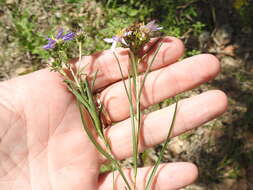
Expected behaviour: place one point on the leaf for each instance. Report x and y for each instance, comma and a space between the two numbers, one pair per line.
133, 12
239, 3
151, 177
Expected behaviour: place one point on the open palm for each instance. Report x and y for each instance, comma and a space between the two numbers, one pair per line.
42, 142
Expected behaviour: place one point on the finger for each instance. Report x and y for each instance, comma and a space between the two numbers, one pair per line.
161, 84
192, 112
108, 70
168, 177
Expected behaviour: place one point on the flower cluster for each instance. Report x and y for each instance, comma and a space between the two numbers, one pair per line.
135, 36
93, 115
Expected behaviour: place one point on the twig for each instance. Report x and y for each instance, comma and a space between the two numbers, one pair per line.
187, 4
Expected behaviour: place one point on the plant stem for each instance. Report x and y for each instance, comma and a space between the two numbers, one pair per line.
99, 148
135, 116
141, 88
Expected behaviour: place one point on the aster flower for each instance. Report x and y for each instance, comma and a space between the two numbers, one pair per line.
59, 37
118, 39
51, 44
152, 26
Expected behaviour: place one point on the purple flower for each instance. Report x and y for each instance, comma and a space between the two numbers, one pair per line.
59, 34
69, 36
152, 26
115, 39
52, 41
51, 44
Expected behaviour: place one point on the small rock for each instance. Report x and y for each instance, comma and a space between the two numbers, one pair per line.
10, 2
247, 30
204, 37
242, 185
22, 70
58, 14
176, 146
228, 184
229, 50
232, 184
223, 35
194, 187
229, 61
99, 11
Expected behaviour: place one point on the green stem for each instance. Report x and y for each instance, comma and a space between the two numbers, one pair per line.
80, 52
98, 126
138, 99
135, 118
100, 149
129, 96
143, 84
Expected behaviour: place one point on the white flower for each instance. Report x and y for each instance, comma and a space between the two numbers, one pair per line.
117, 39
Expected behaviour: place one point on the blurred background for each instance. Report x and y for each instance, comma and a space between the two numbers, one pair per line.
222, 148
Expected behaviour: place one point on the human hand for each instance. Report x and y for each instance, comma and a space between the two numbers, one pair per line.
43, 145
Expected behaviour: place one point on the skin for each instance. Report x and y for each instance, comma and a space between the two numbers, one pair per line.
43, 145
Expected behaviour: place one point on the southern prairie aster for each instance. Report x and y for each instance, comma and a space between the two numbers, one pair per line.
59, 37
151, 27
114, 40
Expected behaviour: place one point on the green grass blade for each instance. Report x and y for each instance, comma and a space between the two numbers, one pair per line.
122, 76
149, 68
148, 186
94, 80
152, 47
93, 112
79, 97
139, 87
142, 86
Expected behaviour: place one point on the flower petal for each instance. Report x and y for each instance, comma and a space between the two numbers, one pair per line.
68, 36
51, 44
123, 41
153, 26
109, 40
114, 45
128, 33
116, 38
59, 34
